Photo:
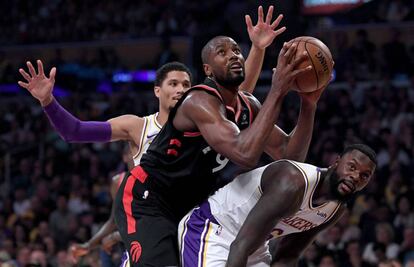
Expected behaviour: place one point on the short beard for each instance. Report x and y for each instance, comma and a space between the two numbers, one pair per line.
229, 81
334, 182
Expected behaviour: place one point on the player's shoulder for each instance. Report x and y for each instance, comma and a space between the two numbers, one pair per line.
284, 171
199, 98
251, 100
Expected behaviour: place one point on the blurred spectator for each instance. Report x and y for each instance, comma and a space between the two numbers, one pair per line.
383, 247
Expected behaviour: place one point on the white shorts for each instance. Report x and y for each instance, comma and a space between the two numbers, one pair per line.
204, 243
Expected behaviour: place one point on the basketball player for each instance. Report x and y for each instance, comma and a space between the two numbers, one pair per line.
171, 81
286, 199
212, 124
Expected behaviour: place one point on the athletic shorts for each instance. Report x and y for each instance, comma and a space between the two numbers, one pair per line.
149, 237
203, 242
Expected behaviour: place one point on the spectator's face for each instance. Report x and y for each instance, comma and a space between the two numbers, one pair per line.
404, 206
352, 173
225, 62
353, 249
382, 235
38, 258
327, 261
23, 256
172, 88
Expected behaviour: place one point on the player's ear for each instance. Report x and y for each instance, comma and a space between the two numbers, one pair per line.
157, 91
207, 70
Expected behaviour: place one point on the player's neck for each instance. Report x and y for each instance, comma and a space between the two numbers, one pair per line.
162, 117
323, 192
229, 93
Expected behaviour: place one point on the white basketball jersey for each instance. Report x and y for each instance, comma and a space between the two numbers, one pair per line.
231, 204
150, 130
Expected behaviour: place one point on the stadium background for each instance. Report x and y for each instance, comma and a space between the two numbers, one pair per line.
53, 193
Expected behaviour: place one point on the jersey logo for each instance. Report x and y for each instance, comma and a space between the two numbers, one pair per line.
244, 120
322, 214
136, 251
149, 136
277, 232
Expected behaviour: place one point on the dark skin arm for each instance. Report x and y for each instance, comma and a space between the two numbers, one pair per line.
295, 145
108, 228
203, 112
283, 188
290, 247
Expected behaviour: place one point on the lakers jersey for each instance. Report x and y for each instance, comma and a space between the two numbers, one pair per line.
149, 131
231, 205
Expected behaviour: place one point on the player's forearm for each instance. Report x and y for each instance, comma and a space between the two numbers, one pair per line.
71, 129
108, 228
237, 257
252, 141
253, 67
300, 138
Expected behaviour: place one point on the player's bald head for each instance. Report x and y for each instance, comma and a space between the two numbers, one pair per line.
209, 47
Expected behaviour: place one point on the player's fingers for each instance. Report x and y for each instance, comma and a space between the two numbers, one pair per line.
40, 67
282, 52
300, 59
277, 21
52, 73
23, 84
31, 69
260, 14
269, 15
301, 71
280, 31
249, 22
290, 52
25, 75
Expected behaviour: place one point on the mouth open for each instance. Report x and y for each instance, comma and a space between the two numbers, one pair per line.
236, 66
347, 187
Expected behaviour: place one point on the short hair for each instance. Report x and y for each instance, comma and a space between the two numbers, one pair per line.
369, 152
205, 52
163, 71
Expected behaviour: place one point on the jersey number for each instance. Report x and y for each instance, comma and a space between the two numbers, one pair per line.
222, 162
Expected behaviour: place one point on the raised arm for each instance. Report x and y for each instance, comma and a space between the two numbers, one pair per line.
283, 189
261, 35
70, 128
295, 146
206, 113
290, 247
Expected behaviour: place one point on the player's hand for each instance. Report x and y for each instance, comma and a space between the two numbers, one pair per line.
78, 250
264, 32
107, 243
38, 84
286, 70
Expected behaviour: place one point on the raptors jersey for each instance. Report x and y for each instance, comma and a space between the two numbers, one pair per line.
149, 131
182, 168
231, 205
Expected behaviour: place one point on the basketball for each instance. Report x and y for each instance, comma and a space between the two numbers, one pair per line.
319, 57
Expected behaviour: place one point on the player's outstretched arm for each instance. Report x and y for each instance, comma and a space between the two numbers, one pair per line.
290, 247
70, 128
283, 189
261, 35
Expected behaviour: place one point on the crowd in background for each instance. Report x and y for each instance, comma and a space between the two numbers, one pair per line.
56, 193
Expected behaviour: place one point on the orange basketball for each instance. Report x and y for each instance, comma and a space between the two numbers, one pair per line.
319, 57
